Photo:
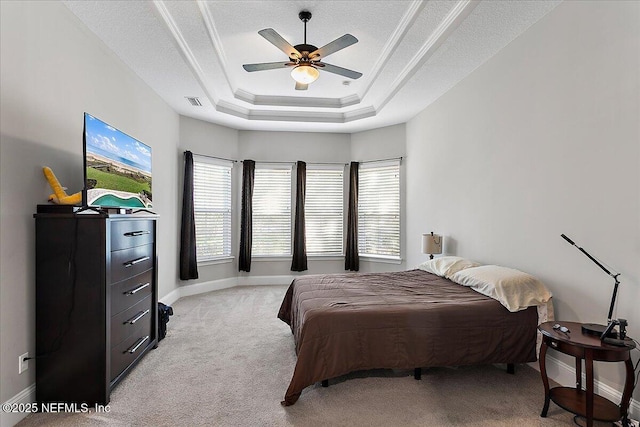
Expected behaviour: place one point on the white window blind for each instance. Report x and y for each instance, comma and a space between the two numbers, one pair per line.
324, 206
212, 207
272, 211
379, 209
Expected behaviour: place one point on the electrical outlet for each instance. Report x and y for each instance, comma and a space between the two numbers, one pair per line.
23, 363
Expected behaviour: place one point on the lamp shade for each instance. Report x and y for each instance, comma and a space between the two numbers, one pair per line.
305, 74
431, 244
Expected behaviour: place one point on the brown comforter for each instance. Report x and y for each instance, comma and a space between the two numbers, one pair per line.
348, 322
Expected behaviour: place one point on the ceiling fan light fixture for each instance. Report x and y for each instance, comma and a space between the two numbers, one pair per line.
305, 74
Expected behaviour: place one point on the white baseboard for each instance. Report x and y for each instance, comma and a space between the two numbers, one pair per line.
26, 396
198, 288
565, 375
216, 285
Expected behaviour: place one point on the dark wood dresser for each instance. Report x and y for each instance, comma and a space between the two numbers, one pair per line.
96, 302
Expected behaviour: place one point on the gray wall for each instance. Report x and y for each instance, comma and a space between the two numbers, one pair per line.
290, 147
262, 146
53, 70
542, 139
209, 139
380, 144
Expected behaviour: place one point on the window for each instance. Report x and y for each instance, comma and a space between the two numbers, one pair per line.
324, 205
272, 211
212, 207
379, 209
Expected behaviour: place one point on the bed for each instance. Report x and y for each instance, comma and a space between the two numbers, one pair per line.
343, 323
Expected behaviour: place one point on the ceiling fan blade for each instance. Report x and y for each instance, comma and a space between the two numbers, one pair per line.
336, 45
301, 86
266, 66
340, 71
276, 39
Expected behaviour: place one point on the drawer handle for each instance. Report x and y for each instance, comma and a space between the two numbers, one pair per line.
138, 317
137, 345
135, 261
137, 233
138, 289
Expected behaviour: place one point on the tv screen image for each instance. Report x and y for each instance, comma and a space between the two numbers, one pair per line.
117, 167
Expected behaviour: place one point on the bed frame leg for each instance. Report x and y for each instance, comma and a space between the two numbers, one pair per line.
511, 368
417, 373
325, 383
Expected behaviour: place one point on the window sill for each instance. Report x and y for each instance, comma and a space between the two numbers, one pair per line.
260, 258
214, 261
368, 258
381, 259
325, 257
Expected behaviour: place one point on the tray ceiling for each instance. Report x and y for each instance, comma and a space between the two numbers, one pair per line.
409, 52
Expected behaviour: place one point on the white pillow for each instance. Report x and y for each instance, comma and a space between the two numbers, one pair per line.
446, 266
512, 288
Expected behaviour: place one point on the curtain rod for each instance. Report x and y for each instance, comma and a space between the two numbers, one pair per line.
214, 157
381, 160
293, 163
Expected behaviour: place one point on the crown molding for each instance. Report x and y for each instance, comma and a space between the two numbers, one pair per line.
218, 47
297, 116
236, 110
291, 116
185, 51
266, 100
407, 21
450, 23
293, 101
359, 114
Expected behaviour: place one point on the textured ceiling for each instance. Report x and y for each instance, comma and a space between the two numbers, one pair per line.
409, 52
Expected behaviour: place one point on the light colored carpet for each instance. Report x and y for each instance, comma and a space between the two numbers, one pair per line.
227, 361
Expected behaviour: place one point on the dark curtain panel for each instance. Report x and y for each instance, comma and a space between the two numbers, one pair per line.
188, 262
246, 214
299, 262
351, 259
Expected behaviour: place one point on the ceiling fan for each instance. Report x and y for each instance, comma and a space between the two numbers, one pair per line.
305, 58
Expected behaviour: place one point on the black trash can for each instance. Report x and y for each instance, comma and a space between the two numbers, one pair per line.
164, 311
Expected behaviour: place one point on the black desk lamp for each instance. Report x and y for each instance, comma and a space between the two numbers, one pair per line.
593, 328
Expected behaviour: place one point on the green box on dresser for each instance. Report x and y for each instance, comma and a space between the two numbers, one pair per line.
96, 302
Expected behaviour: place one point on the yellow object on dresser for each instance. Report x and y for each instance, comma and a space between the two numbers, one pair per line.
59, 196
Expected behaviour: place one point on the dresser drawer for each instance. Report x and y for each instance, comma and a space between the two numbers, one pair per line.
129, 234
123, 325
128, 350
131, 291
126, 263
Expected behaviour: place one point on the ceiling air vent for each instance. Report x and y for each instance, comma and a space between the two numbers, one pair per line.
195, 101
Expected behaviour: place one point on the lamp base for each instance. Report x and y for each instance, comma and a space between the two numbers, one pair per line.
596, 329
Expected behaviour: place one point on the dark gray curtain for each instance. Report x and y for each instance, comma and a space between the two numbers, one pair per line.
246, 214
188, 262
351, 259
299, 262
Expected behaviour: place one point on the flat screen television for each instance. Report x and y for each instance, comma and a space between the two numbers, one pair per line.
117, 168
